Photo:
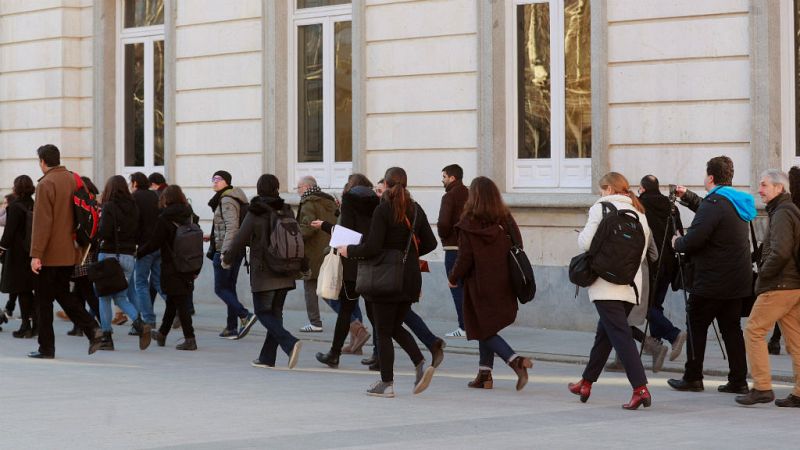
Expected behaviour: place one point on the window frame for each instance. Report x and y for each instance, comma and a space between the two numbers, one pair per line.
328, 173
557, 173
146, 36
789, 156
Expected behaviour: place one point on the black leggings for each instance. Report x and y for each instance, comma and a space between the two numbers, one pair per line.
389, 325
179, 304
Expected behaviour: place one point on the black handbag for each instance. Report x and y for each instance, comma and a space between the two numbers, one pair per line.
523, 282
382, 274
107, 275
580, 270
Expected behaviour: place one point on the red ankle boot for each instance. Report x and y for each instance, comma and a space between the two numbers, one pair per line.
641, 396
582, 388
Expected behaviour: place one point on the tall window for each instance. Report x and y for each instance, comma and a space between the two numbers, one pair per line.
322, 91
549, 108
140, 85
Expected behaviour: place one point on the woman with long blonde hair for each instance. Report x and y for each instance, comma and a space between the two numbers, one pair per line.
614, 301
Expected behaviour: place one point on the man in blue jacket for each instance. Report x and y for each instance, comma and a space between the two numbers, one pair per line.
719, 273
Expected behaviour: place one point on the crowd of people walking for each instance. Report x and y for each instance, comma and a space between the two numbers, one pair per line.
139, 239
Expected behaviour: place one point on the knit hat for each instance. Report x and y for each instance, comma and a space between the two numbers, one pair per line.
225, 176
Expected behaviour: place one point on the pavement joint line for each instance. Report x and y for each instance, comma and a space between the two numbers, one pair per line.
64, 362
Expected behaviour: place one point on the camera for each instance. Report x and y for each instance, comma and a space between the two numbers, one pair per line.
673, 192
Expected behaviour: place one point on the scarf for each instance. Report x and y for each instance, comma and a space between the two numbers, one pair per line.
310, 191
214, 202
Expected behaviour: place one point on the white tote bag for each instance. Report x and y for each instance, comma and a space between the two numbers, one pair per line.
329, 282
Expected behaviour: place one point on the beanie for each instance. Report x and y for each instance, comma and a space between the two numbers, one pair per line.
225, 176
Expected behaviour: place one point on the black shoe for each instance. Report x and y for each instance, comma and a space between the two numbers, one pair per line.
39, 355
437, 352
329, 358
683, 385
188, 344
106, 342
75, 331
792, 401
160, 339
734, 388
370, 361
774, 347
96, 341
375, 367
755, 396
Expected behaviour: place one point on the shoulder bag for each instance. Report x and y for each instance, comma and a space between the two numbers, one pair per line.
107, 275
523, 282
382, 274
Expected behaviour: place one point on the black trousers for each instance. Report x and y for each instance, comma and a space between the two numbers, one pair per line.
614, 332
179, 304
346, 307
12, 301
52, 283
389, 325
84, 291
700, 312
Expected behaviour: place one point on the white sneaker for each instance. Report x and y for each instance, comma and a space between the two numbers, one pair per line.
310, 329
457, 333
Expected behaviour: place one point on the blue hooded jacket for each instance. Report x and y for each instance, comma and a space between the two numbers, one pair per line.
744, 203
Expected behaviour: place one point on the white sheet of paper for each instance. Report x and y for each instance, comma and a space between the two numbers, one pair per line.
344, 236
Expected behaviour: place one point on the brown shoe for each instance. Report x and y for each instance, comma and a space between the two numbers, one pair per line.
521, 364
360, 338
348, 348
119, 318
62, 315
482, 381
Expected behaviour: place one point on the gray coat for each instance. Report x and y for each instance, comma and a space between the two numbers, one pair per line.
777, 269
226, 218
255, 232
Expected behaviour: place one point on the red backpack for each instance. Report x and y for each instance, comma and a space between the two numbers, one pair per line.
86, 213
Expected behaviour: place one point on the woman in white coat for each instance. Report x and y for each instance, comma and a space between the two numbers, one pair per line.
614, 301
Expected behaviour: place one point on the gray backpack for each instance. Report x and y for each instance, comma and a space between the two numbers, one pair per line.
285, 250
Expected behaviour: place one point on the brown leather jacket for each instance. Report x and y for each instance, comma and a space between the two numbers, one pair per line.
53, 224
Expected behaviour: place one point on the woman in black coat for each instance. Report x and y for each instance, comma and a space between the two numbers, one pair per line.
391, 229
177, 286
17, 277
358, 203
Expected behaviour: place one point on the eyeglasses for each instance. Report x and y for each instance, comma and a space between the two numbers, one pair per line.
216, 179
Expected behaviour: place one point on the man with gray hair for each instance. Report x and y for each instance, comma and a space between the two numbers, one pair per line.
314, 205
778, 290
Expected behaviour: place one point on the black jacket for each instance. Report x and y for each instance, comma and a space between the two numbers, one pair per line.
172, 281
119, 227
147, 202
450, 212
385, 233
718, 246
358, 204
16, 275
657, 210
778, 269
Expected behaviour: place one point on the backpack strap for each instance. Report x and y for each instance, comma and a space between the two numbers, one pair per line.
608, 207
411, 236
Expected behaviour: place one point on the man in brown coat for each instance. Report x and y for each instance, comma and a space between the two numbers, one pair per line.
54, 253
449, 214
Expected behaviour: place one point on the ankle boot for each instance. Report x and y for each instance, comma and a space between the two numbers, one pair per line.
582, 388
24, 330
360, 338
160, 339
482, 381
521, 364
347, 349
188, 344
75, 331
107, 343
658, 351
330, 359
641, 396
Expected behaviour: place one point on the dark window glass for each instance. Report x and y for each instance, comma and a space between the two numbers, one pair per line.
578, 79
134, 104
309, 93
797, 76
533, 81
158, 103
344, 90
144, 13
301, 4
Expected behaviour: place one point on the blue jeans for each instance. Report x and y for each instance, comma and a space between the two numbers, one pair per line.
336, 306
660, 326
450, 257
120, 298
147, 272
225, 288
268, 306
494, 345
419, 328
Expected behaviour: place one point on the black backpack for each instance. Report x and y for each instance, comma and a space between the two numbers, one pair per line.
285, 252
86, 213
187, 247
617, 247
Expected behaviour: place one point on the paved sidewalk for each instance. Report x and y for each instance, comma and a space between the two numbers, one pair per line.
540, 343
